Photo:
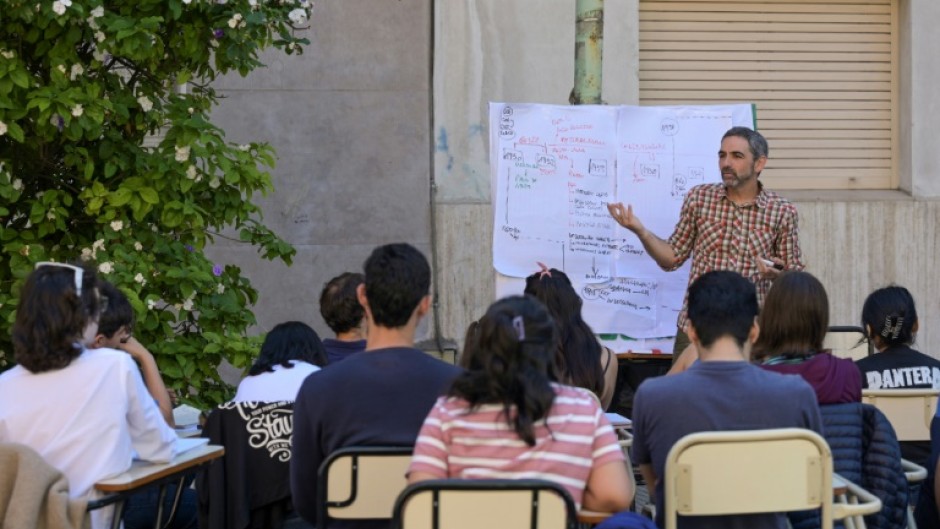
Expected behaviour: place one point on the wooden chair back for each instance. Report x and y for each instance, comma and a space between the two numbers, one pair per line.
485, 503
361, 483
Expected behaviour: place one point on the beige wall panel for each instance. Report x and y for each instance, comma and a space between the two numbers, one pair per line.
466, 274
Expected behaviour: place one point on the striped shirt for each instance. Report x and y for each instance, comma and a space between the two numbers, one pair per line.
721, 235
574, 439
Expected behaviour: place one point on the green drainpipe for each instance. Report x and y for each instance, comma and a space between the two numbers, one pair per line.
588, 52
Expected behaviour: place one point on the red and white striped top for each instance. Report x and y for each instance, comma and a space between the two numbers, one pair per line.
574, 439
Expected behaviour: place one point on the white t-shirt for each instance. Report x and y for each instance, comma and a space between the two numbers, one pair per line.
272, 386
88, 419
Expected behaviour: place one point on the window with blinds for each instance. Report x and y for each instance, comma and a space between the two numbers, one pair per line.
823, 75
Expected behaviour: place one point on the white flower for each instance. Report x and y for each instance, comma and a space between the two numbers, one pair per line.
298, 16
106, 267
99, 36
86, 254
244, 148
145, 103
188, 304
150, 304
97, 245
191, 172
137, 246
77, 70
117, 225
50, 215
3, 128
220, 288
77, 111
214, 183
18, 184
190, 110
7, 54
235, 21
182, 153
98, 12
140, 278
59, 6
61, 68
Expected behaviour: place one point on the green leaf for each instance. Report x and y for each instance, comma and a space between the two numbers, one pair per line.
20, 78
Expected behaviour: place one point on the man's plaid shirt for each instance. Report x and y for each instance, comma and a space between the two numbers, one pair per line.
720, 235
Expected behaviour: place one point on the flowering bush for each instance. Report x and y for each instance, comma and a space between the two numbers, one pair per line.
107, 154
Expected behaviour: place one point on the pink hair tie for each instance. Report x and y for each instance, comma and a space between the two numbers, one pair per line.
545, 271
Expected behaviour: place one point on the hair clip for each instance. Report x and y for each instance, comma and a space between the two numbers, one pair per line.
519, 326
893, 329
544, 270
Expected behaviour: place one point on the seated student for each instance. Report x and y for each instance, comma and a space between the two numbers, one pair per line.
927, 511
889, 318
115, 330
341, 310
85, 411
722, 391
582, 360
290, 353
793, 325
378, 397
505, 418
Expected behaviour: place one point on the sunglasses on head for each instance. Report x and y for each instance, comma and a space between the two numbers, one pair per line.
77, 270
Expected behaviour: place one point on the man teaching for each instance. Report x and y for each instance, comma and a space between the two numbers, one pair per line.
736, 225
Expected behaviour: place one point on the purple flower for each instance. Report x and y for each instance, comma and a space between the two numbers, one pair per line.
190, 247
217, 270
218, 33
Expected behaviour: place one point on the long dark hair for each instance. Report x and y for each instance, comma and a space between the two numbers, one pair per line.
579, 352
795, 317
292, 340
512, 364
52, 316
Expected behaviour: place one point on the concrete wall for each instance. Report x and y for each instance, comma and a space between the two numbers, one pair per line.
350, 121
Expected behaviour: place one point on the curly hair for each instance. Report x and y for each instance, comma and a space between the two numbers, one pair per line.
512, 364
51, 317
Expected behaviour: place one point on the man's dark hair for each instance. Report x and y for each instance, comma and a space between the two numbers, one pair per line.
339, 305
755, 140
51, 317
117, 310
721, 304
397, 278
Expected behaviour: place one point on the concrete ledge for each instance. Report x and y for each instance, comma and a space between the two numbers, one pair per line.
845, 195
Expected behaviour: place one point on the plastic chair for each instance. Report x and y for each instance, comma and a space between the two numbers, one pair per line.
756, 471
847, 341
361, 483
485, 503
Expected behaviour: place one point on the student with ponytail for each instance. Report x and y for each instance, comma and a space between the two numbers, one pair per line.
505, 418
889, 318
